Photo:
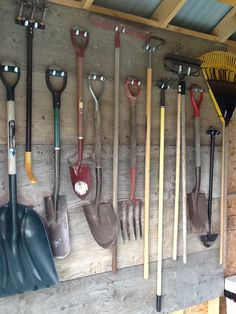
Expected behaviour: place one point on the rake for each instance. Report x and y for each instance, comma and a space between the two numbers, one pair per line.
219, 70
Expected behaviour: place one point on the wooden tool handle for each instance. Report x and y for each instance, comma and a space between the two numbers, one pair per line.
177, 180
116, 147
147, 174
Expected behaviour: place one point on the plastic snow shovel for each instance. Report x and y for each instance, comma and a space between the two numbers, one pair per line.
56, 205
26, 261
197, 201
100, 216
80, 174
210, 238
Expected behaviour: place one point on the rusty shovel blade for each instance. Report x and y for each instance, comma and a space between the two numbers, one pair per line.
197, 204
102, 222
81, 179
58, 227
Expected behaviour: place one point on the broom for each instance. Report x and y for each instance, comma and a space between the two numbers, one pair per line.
219, 70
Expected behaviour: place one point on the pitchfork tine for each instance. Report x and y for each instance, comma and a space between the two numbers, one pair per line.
140, 219
120, 204
127, 222
134, 221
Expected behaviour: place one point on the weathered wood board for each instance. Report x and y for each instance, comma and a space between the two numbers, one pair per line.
127, 292
86, 256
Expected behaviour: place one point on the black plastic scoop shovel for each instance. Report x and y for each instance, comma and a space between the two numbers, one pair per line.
55, 204
100, 216
210, 238
26, 261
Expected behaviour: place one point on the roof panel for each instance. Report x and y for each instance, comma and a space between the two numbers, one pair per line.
201, 15
143, 8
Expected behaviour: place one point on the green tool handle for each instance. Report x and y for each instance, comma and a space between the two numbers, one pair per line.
56, 157
98, 144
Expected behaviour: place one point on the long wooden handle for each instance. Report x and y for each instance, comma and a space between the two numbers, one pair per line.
177, 180
116, 148
183, 173
147, 174
223, 203
160, 209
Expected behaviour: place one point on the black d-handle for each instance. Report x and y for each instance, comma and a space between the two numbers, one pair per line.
10, 86
56, 92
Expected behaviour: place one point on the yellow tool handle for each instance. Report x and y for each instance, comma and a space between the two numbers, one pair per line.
177, 181
160, 202
147, 175
28, 167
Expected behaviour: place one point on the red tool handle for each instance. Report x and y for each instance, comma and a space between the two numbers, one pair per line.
81, 46
132, 94
196, 102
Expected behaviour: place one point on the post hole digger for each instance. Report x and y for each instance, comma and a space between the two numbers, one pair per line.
133, 89
26, 261
31, 15
219, 70
80, 173
197, 202
151, 45
210, 238
55, 204
100, 216
183, 67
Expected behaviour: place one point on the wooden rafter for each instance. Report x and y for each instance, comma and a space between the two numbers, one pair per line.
230, 2
166, 11
142, 20
86, 3
226, 27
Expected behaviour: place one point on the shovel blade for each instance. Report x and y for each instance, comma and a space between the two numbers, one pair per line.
81, 179
208, 239
27, 264
58, 227
198, 210
102, 222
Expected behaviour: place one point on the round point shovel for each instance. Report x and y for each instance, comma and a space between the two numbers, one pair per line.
26, 262
100, 216
80, 174
55, 205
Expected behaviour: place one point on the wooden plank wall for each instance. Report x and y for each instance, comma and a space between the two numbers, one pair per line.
53, 47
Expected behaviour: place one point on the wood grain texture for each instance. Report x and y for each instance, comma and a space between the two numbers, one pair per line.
86, 256
127, 292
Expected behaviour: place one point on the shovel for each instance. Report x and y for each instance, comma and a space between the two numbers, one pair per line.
80, 174
100, 216
197, 201
209, 238
55, 205
26, 262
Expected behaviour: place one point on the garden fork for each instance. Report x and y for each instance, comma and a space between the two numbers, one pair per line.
133, 205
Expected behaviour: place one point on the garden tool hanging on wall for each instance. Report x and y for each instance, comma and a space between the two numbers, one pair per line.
152, 45
210, 238
80, 173
183, 66
100, 216
133, 205
197, 202
163, 84
55, 204
26, 262
31, 14
219, 70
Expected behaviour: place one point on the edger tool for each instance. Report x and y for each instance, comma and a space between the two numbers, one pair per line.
55, 204
26, 262
210, 238
100, 216
197, 202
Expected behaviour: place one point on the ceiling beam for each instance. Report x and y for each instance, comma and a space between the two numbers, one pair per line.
226, 27
86, 3
142, 20
167, 10
229, 2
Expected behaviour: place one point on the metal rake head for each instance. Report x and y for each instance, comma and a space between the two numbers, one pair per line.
130, 215
31, 13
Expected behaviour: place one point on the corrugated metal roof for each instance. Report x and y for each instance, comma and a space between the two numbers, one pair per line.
201, 15
137, 7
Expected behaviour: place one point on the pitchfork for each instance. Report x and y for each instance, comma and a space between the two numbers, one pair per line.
133, 88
